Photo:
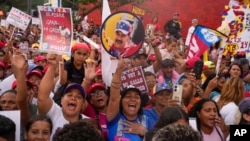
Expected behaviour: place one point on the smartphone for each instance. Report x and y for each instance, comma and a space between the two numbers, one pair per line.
198, 68
193, 123
177, 93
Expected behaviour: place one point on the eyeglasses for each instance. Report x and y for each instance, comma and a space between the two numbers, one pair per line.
97, 93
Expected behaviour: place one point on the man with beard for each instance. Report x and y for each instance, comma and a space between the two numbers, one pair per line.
123, 44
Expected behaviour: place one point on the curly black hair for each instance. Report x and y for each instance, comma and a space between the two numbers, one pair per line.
177, 132
82, 130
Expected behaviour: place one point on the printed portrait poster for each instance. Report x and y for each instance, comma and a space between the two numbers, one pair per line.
57, 29
15, 117
18, 18
134, 77
122, 34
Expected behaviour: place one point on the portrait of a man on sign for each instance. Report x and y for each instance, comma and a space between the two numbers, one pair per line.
122, 37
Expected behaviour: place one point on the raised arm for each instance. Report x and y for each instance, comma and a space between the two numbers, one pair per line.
89, 70
62, 73
114, 101
20, 67
157, 63
47, 85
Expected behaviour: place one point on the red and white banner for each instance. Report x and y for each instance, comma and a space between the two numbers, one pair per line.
18, 18
57, 29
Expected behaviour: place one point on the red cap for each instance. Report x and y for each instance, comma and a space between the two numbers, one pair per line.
39, 58
14, 83
34, 72
2, 65
80, 45
151, 57
94, 86
98, 71
190, 62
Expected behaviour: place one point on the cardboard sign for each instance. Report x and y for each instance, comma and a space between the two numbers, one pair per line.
57, 29
18, 18
36, 21
4, 23
122, 34
16, 118
134, 77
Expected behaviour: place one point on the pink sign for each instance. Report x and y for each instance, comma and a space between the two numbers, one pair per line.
134, 77
57, 29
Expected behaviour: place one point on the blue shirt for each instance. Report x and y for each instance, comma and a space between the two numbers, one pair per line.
115, 127
151, 113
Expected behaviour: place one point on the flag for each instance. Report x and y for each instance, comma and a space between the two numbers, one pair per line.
108, 65
202, 39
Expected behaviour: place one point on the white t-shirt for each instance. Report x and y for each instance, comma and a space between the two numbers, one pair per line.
230, 113
58, 120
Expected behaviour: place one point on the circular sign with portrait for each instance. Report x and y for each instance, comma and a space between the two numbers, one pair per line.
122, 34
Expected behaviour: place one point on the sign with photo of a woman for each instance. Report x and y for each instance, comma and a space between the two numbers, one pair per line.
122, 34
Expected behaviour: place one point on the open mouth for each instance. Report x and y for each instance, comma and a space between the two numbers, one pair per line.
72, 106
131, 106
212, 120
100, 101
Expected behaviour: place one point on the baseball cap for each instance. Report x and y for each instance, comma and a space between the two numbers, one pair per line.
34, 67
123, 26
129, 88
93, 86
190, 62
80, 45
39, 58
35, 45
14, 84
244, 105
167, 62
2, 65
159, 87
74, 86
34, 72
98, 70
151, 57
208, 65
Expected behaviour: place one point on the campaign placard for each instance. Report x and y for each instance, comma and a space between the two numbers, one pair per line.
18, 18
122, 34
134, 77
16, 118
57, 29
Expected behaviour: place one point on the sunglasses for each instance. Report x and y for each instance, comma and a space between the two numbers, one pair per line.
97, 93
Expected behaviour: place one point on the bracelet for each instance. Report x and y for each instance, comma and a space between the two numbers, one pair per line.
116, 82
115, 86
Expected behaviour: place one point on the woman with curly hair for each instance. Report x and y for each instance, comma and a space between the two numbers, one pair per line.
231, 95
